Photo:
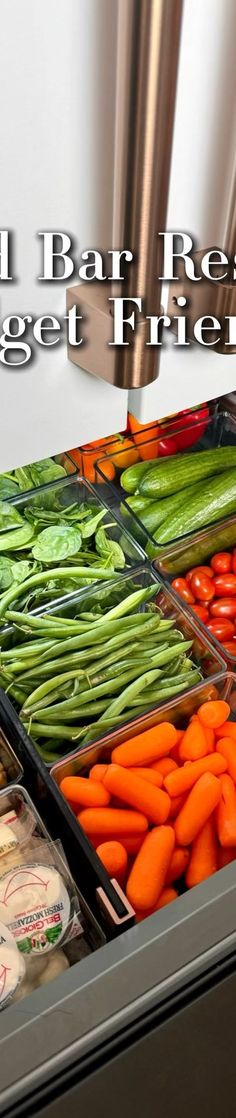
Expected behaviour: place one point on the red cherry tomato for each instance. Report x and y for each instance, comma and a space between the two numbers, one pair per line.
202, 613
199, 571
230, 646
182, 588
167, 446
225, 585
223, 607
222, 629
221, 563
233, 557
195, 426
202, 587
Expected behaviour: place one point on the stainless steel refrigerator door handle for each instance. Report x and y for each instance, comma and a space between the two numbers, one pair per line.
148, 41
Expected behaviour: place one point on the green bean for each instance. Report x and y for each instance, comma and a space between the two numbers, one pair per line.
129, 692
87, 696
43, 730
19, 588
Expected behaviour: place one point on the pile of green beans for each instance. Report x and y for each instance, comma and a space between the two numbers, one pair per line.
76, 678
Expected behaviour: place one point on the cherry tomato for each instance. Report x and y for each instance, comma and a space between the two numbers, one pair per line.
234, 562
202, 587
223, 630
223, 607
221, 563
199, 571
230, 647
182, 588
202, 613
224, 585
167, 446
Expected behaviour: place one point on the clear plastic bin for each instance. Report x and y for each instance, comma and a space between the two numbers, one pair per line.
177, 711
57, 497
192, 551
220, 430
202, 652
11, 771
61, 459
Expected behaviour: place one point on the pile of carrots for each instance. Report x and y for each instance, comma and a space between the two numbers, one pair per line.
162, 813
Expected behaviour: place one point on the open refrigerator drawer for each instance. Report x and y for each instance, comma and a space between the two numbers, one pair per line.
124, 992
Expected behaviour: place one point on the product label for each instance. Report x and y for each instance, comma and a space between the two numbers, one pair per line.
12, 966
8, 839
35, 906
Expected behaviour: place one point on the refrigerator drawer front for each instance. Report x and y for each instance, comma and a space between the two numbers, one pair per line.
142, 970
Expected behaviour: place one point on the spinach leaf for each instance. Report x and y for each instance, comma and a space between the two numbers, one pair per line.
45, 471
13, 572
55, 544
6, 577
21, 569
8, 487
23, 477
9, 517
89, 528
17, 539
109, 548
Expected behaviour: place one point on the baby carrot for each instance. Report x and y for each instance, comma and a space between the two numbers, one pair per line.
178, 864
200, 804
203, 856
227, 730
97, 772
210, 738
175, 750
130, 842
164, 766
131, 789
226, 855
146, 747
167, 896
209, 734
150, 775
114, 857
112, 821
214, 713
175, 806
148, 874
227, 748
193, 745
80, 791
180, 781
226, 812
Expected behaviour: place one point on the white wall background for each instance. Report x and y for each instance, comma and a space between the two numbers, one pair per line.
57, 88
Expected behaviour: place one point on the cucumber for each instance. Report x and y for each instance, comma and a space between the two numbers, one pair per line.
179, 471
139, 504
157, 511
131, 477
201, 549
215, 499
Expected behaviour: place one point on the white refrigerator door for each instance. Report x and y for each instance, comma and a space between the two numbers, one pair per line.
202, 162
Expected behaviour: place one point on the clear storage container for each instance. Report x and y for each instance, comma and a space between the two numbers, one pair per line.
11, 771
196, 550
55, 499
177, 712
207, 660
219, 430
61, 459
